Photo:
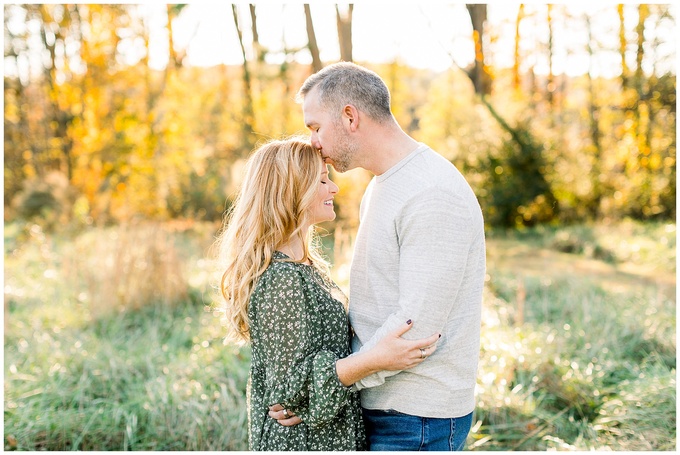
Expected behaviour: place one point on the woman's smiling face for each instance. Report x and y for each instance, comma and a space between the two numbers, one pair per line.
322, 208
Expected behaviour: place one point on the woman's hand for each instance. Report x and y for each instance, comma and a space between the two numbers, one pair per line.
283, 416
396, 353
392, 353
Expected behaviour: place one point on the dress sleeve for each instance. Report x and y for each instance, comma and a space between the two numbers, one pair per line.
298, 376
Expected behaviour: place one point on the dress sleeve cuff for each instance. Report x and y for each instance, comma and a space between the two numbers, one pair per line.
328, 395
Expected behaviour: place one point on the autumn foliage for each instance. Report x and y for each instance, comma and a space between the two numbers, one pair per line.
94, 136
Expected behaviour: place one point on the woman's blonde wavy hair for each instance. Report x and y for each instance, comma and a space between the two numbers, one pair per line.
272, 207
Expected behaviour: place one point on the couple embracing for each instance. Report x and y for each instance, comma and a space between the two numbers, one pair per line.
395, 368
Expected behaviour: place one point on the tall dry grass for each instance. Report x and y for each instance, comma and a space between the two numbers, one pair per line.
110, 346
126, 267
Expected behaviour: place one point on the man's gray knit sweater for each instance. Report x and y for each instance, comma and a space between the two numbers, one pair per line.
420, 254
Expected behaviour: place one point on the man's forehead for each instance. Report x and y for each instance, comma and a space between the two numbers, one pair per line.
311, 99
310, 114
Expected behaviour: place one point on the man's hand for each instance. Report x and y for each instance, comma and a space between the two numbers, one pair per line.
283, 416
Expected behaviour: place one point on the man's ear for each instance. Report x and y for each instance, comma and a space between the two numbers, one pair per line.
351, 116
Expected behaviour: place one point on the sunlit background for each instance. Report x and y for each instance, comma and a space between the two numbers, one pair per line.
126, 130
421, 34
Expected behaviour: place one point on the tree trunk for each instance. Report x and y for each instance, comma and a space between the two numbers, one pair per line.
247, 127
344, 24
311, 36
259, 50
550, 88
643, 13
595, 133
60, 116
642, 105
516, 81
173, 58
623, 44
478, 72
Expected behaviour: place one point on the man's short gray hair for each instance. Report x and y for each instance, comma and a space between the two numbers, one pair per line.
345, 83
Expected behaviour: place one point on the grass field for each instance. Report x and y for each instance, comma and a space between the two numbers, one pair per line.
111, 341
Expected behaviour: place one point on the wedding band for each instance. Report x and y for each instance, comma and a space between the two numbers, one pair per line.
285, 414
422, 353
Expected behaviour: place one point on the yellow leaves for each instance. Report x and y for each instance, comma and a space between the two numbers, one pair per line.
12, 112
29, 171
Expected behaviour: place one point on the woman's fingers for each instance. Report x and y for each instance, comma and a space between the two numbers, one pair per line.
426, 346
402, 329
428, 350
290, 422
283, 420
283, 416
280, 414
421, 343
413, 352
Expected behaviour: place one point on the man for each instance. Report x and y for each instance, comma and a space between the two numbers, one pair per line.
419, 253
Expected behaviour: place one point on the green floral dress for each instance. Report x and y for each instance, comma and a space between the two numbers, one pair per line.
298, 331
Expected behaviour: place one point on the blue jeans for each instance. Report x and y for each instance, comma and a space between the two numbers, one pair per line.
392, 431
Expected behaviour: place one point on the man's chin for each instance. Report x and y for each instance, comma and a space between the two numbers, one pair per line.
339, 167
333, 163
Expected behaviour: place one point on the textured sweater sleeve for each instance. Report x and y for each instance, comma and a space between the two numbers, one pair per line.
435, 232
298, 377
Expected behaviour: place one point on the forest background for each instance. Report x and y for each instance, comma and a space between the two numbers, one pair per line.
121, 154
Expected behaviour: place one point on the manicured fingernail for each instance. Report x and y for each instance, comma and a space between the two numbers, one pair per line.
408, 322
440, 335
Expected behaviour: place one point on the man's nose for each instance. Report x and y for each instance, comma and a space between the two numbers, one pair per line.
315, 141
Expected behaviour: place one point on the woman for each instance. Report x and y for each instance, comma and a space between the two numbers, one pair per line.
280, 298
